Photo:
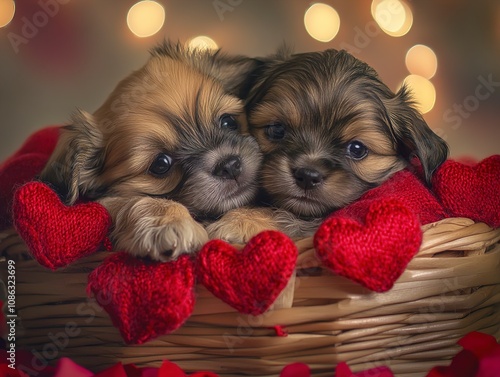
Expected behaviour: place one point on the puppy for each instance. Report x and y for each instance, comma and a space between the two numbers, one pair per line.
330, 130
164, 153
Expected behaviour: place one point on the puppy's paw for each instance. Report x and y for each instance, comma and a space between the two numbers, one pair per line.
294, 226
156, 228
175, 237
239, 225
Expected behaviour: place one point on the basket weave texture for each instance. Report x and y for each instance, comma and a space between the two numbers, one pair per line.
450, 288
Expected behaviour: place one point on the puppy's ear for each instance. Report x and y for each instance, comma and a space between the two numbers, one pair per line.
233, 71
73, 167
257, 83
413, 136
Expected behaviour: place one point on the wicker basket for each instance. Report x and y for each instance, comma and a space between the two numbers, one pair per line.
450, 288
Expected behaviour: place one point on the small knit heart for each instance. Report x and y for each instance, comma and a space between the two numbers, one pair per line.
144, 299
56, 234
249, 280
470, 191
374, 253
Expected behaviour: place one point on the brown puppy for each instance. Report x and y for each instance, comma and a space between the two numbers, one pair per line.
163, 153
330, 130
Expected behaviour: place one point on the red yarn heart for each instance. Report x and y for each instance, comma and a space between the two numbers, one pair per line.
251, 279
375, 253
144, 299
470, 191
56, 234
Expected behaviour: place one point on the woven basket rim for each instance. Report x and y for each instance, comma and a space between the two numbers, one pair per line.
451, 287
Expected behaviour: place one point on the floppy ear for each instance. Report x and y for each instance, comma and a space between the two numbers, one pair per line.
234, 72
263, 74
73, 167
413, 136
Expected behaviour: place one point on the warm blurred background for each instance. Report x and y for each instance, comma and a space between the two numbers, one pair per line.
57, 55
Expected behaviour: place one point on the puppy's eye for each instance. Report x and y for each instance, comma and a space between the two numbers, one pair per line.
356, 150
275, 131
227, 121
161, 165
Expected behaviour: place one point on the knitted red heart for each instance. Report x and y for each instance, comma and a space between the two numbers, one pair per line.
470, 191
144, 299
56, 234
375, 253
251, 279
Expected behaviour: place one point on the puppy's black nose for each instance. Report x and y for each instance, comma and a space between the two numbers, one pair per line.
307, 179
229, 168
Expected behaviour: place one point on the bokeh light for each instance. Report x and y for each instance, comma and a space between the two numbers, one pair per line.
322, 22
202, 42
423, 92
421, 60
7, 11
146, 18
394, 17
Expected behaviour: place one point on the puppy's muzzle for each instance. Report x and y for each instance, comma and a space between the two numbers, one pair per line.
228, 168
307, 178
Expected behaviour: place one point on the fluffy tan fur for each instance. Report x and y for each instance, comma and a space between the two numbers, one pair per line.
175, 106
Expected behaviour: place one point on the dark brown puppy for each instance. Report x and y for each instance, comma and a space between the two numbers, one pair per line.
330, 130
164, 152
